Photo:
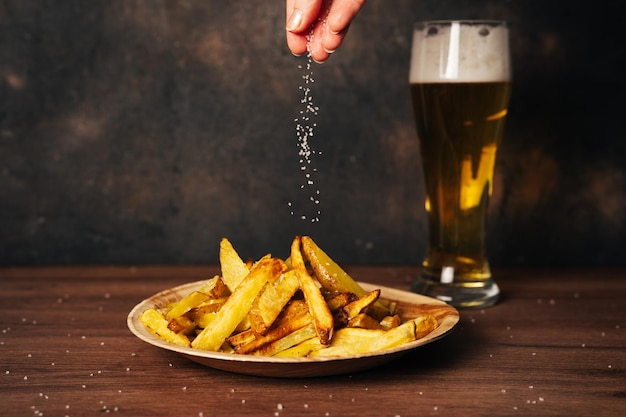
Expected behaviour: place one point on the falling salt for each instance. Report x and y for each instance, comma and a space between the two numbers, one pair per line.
305, 129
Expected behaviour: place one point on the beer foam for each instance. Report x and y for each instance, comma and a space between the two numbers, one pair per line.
460, 52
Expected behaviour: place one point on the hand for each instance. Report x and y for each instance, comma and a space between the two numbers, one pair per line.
329, 20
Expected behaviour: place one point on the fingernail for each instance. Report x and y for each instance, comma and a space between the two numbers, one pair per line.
329, 51
294, 20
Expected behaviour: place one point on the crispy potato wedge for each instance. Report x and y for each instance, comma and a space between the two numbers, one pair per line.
294, 316
156, 323
238, 305
337, 301
353, 341
242, 338
215, 287
323, 318
288, 341
302, 349
332, 277
183, 306
364, 321
182, 324
389, 322
273, 298
361, 304
234, 269
424, 324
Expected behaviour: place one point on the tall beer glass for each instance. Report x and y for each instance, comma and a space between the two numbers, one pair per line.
460, 81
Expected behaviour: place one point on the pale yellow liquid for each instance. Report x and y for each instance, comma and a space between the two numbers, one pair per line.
460, 127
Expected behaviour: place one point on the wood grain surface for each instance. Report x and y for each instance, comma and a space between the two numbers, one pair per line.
554, 345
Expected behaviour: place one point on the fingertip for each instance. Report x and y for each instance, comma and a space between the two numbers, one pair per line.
295, 20
319, 57
297, 44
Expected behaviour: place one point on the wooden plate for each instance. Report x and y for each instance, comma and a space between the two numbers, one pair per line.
410, 305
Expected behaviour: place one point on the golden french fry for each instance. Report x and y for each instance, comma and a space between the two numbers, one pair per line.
242, 338
215, 287
361, 304
209, 306
351, 341
294, 316
183, 306
157, 324
389, 322
203, 321
364, 321
290, 340
302, 349
327, 272
244, 324
203, 314
339, 300
182, 324
238, 305
424, 324
388, 304
273, 298
234, 270
332, 277
323, 318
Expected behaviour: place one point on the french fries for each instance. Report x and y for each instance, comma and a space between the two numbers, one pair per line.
238, 305
281, 308
323, 319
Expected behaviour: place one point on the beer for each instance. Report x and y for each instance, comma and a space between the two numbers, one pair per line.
460, 88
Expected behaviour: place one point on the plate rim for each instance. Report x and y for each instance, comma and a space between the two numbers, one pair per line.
449, 323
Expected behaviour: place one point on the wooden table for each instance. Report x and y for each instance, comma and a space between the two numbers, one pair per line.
554, 345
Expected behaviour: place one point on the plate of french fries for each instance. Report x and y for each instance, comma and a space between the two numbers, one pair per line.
303, 316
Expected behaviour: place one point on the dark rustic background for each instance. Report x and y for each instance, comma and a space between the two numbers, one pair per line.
139, 132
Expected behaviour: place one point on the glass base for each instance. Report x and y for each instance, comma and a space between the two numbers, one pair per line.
461, 295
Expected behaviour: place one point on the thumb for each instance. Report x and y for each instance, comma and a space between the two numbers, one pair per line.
301, 14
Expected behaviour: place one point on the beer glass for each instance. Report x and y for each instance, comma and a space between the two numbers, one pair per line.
460, 80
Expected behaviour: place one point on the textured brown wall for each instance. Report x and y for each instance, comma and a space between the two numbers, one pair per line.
143, 131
